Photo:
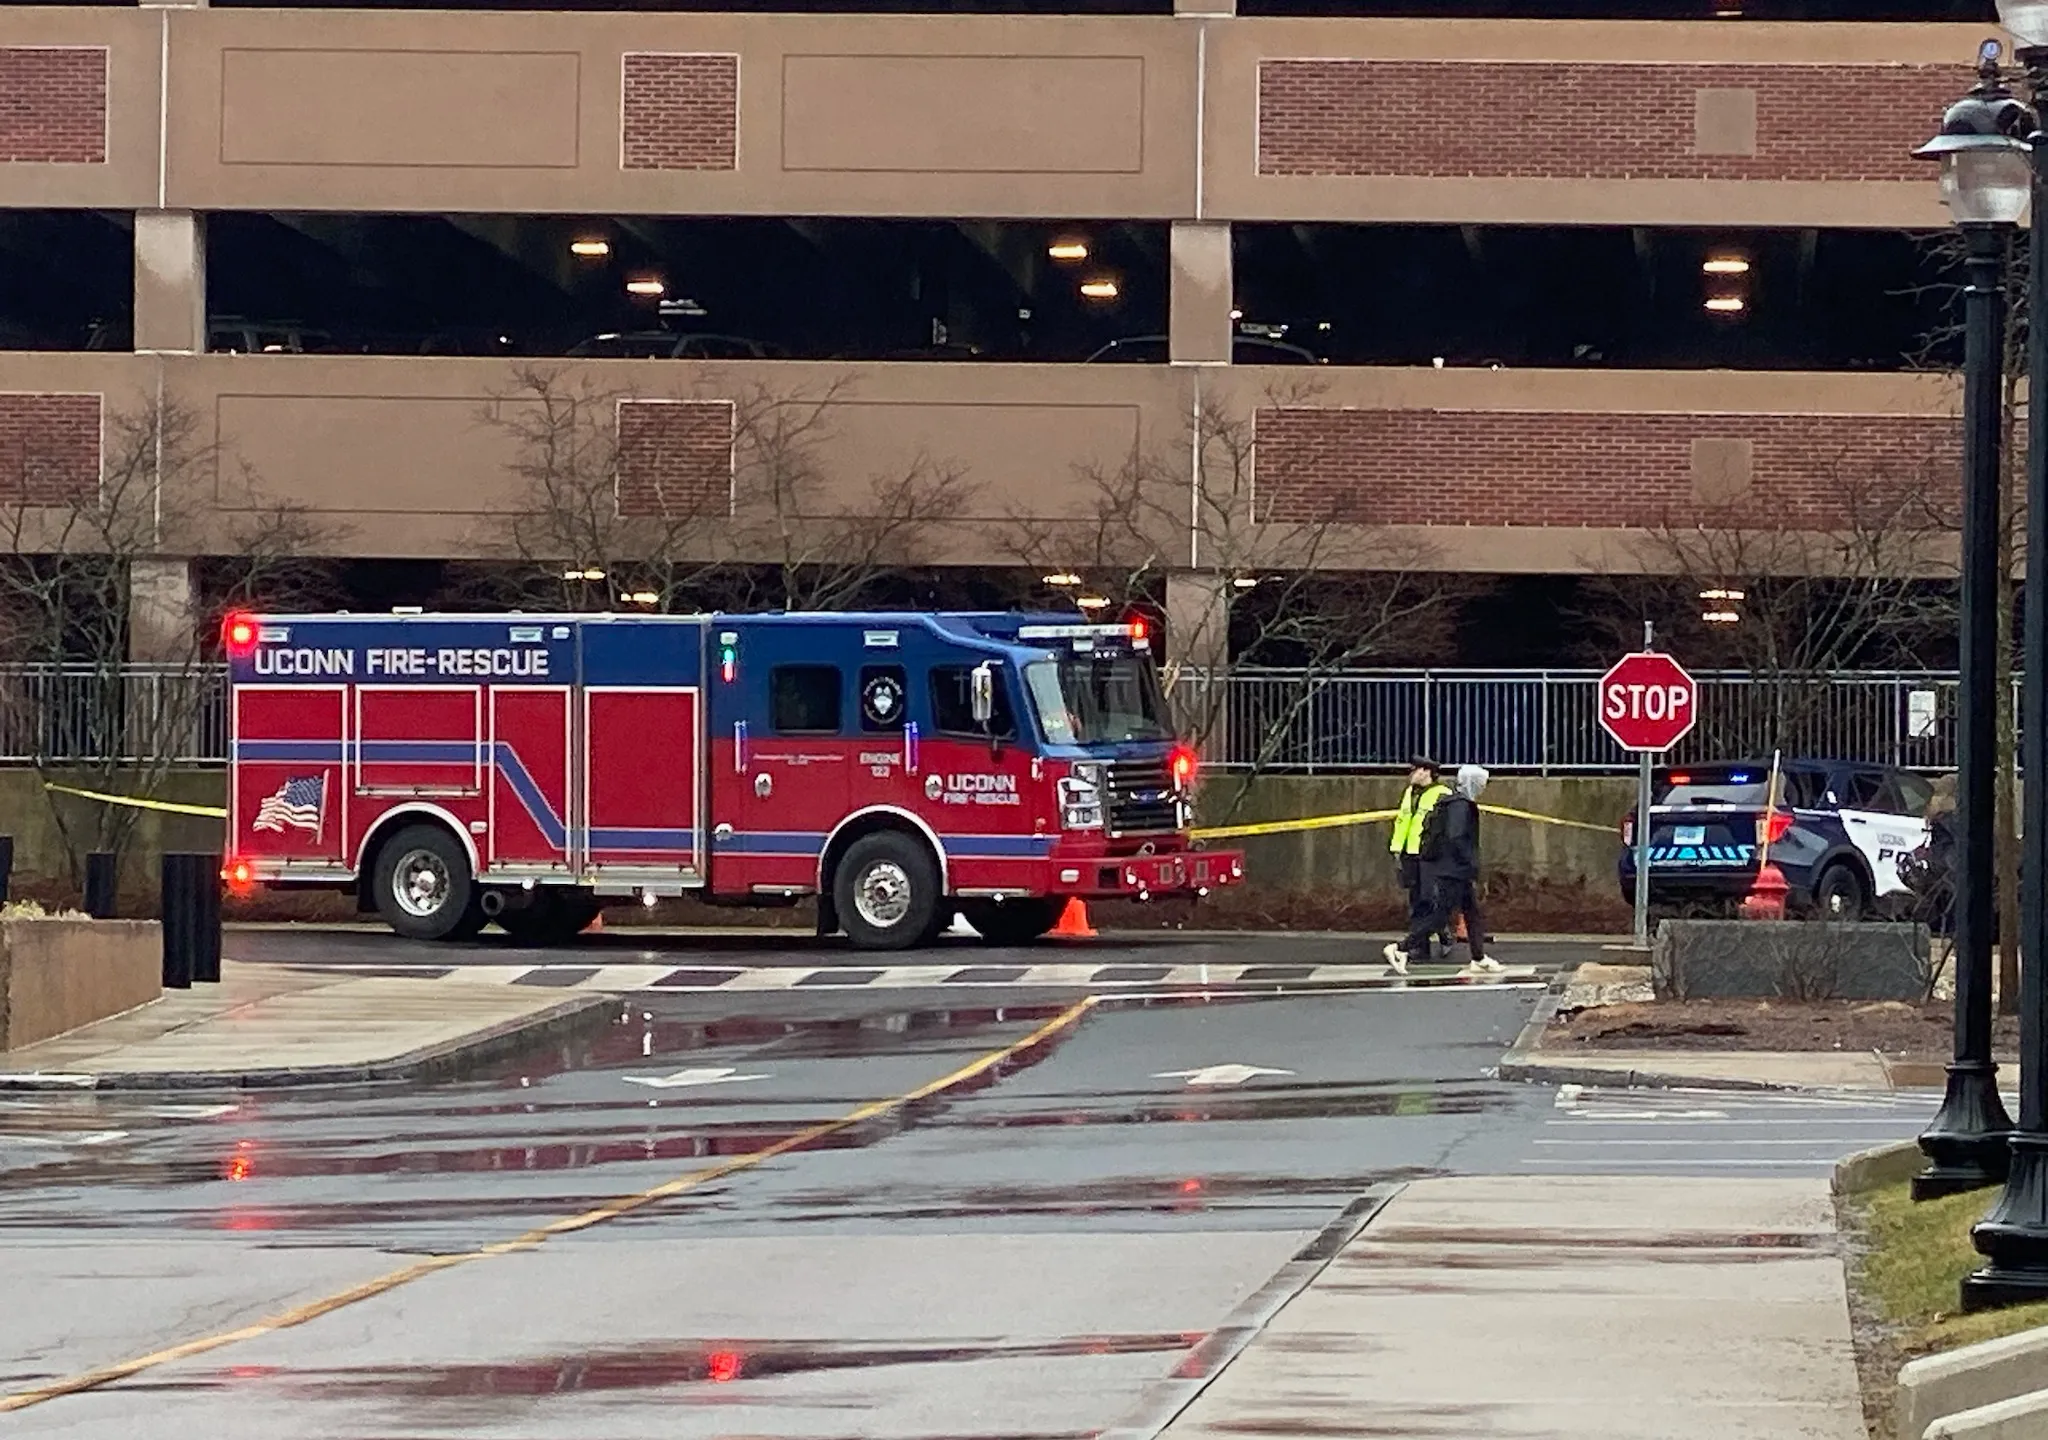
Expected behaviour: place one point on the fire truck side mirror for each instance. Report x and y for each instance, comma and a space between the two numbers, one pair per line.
984, 684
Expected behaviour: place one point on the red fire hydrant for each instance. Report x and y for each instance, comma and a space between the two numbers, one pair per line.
1766, 898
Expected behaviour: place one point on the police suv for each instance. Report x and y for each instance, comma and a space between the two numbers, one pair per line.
1838, 834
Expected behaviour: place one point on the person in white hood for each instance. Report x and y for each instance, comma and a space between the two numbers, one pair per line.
1449, 854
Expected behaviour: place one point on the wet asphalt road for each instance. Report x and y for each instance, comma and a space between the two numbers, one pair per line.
1028, 1254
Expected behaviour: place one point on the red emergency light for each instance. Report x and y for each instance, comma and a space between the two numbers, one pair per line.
1182, 764
239, 876
239, 634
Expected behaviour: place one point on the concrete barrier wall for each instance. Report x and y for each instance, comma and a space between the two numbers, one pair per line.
1354, 858
27, 814
56, 975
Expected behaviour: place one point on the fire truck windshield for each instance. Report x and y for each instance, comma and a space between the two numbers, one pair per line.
1097, 699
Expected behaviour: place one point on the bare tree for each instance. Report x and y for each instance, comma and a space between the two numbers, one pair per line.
759, 520
580, 547
1294, 582
1871, 585
77, 535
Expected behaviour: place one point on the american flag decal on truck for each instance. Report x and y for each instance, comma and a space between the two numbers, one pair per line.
296, 805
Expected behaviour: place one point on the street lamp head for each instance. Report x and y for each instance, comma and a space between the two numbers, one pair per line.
1986, 163
2027, 20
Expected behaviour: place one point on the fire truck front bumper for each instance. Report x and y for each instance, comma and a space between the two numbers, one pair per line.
1145, 876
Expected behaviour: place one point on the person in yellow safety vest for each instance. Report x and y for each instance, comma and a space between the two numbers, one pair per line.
1425, 790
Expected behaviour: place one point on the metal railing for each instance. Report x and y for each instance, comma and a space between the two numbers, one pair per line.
1534, 721
87, 715
1545, 722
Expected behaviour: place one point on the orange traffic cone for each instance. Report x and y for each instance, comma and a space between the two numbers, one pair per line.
1073, 922
596, 925
1458, 927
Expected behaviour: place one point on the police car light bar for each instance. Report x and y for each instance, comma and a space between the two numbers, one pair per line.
1077, 632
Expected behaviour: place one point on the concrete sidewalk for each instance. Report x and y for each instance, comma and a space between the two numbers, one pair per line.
1625, 1308
268, 1025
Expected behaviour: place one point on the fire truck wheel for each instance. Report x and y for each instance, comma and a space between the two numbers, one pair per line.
424, 888
887, 891
1011, 922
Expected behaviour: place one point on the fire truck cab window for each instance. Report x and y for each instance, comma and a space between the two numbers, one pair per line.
953, 703
804, 699
884, 699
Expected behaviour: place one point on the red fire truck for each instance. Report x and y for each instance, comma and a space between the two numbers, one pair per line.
458, 770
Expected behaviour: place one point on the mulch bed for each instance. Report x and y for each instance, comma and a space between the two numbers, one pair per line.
1888, 1026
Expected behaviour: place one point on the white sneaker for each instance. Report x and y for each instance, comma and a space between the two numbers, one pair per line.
1397, 959
1489, 965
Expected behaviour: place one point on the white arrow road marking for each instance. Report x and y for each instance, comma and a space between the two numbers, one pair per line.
681, 1078
1219, 1074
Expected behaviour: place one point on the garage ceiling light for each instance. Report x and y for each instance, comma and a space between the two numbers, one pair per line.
1099, 289
1726, 265
590, 249
646, 285
1727, 304
1068, 250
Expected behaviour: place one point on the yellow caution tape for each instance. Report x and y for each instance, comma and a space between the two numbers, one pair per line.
1367, 817
1218, 832
1550, 819
211, 812
1286, 827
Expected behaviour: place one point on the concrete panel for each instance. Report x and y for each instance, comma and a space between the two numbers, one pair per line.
56, 975
1032, 117
973, 114
71, 140
1022, 457
426, 108
1509, 183
355, 455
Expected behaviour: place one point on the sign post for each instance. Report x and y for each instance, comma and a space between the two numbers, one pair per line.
1648, 704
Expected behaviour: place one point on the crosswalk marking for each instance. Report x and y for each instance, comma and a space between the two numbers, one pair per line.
994, 973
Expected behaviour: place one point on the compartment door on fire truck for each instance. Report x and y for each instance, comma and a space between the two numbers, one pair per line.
785, 728
639, 752
289, 802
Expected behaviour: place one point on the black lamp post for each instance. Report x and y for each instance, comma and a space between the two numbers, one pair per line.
2013, 1238
1984, 178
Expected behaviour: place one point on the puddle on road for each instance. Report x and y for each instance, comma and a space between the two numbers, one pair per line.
662, 1365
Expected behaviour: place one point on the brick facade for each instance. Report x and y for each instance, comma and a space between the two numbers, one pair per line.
53, 105
675, 458
49, 448
680, 112
1600, 121
1557, 468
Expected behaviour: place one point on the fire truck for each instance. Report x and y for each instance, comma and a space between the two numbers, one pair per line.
454, 771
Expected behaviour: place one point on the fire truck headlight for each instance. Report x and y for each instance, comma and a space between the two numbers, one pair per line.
1081, 798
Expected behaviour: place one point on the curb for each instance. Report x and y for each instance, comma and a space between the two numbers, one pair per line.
1885, 1165
1516, 1065
571, 1018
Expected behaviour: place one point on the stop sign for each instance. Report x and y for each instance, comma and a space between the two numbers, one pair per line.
1648, 702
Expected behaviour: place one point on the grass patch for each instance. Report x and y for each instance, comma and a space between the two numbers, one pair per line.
1917, 1256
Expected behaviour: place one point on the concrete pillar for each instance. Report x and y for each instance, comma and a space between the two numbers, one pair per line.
1199, 327
170, 281
1198, 619
1185, 7
163, 610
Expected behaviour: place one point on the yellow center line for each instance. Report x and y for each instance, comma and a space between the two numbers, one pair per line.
610, 1210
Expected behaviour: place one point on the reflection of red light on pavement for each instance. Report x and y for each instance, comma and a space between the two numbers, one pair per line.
722, 1366
1190, 1187
239, 1166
